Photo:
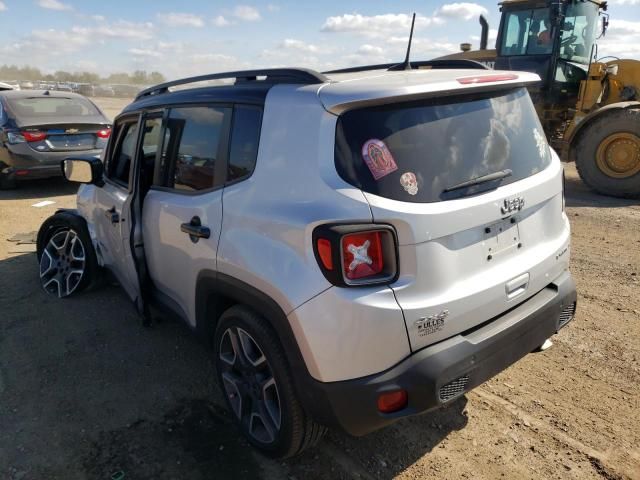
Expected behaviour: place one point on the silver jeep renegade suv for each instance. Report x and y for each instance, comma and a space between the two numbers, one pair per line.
358, 246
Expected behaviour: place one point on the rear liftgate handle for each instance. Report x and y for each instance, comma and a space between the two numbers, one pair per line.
195, 230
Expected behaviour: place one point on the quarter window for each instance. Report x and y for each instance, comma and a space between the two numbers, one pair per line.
244, 142
191, 148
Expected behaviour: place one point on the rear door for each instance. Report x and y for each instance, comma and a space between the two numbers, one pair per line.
467, 253
182, 212
112, 215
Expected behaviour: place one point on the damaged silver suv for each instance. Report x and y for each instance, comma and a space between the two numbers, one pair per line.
358, 246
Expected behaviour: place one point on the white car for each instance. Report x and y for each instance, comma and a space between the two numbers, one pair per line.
359, 246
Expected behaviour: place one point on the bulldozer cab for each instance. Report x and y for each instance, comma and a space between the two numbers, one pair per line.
552, 38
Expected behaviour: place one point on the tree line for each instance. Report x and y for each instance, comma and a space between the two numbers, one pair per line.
139, 77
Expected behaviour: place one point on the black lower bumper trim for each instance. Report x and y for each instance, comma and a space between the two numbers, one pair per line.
442, 372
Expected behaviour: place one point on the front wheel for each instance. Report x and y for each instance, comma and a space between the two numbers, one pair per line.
65, 254
608, 154
256, 381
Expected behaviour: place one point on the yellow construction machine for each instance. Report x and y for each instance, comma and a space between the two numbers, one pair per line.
589, 106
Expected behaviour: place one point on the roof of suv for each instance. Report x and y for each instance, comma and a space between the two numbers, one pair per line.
337, 90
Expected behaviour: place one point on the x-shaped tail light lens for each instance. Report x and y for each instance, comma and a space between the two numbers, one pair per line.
351, 255
362, 255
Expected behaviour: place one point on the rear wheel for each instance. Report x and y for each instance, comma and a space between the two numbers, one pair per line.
608, 154
256, 381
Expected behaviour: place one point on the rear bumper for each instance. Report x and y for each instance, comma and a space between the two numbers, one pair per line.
440, 373
33, 172
25, 164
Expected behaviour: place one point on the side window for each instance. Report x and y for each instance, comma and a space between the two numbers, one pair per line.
245, 138
191, 147
122, 155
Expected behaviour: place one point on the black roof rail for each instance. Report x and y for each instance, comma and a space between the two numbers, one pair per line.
272, 75
434, 64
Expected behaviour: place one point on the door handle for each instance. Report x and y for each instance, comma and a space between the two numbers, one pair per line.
195, 229
112, 215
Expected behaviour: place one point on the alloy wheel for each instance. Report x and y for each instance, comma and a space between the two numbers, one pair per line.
249, 384
63, 263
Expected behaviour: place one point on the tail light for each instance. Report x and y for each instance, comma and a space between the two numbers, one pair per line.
351, 255
104, 133
33, 136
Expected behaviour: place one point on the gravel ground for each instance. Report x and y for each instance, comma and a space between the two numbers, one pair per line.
87, 392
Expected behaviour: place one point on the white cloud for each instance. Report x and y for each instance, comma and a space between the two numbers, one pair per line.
122, 29
625, 2
376, 25
273, 8
369, 50
143, 52
246, 13
174, 19
617, 27
98, 18
299, 45
54, 5
622, 40
3, 7
220, 21
464, 10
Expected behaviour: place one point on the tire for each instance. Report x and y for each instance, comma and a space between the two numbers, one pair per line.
593, 147
66, 256
255, 378
7, 182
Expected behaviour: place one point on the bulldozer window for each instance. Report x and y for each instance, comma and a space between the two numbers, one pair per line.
527, 33
579, 32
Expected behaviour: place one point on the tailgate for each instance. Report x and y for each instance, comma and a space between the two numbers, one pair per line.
462, 265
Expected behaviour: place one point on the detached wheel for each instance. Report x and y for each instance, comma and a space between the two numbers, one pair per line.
256, 381
608, 154
65, 254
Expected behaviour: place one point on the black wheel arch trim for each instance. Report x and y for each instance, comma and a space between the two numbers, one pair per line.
211, 284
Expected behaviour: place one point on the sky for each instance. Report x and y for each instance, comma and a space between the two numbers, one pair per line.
202, 36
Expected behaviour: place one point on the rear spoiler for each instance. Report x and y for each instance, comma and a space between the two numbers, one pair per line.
395, 87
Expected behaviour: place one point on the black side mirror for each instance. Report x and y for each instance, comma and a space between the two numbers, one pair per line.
83, 169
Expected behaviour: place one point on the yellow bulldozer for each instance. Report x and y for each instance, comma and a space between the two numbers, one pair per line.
589, 106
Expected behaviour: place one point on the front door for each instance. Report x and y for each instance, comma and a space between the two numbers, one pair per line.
113, 219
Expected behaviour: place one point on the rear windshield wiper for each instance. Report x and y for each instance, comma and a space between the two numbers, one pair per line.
482, 179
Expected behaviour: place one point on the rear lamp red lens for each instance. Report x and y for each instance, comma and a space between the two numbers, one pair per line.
34, 136
104, 133
362, 255
324, 252
389, 402
499, 77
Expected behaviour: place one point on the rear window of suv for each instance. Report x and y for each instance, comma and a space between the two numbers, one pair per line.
414, 152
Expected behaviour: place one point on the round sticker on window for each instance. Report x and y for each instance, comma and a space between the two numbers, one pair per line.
409, 182
378, 158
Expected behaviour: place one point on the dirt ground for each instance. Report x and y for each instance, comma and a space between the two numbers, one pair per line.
87, 392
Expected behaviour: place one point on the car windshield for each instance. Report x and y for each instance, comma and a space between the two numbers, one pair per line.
416, 152
52, 107
579, 32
